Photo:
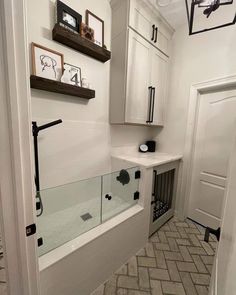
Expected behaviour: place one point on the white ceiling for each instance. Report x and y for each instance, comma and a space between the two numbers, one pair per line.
175, 12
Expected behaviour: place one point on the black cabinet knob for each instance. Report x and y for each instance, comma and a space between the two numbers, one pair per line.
107, 196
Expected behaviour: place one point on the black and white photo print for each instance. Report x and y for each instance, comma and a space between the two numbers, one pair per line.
47, 63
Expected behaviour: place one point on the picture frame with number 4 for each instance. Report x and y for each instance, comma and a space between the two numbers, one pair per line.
71, 75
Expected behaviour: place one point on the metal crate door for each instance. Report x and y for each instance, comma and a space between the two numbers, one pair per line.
163, 195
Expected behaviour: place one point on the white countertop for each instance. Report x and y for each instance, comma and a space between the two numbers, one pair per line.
146, 160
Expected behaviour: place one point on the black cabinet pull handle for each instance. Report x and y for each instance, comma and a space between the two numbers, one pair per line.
156, 31
153, 32
150, 104
153, 103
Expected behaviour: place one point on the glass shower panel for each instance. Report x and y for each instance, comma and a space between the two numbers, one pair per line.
119, 192
68, 211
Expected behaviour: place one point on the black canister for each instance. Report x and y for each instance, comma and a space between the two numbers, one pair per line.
151, 146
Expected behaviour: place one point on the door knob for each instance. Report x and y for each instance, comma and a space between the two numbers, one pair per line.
215, 232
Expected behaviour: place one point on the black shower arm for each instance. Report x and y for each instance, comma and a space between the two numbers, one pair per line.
36, 128
35, 131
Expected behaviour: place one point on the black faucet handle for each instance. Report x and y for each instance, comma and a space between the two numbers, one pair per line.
107, 196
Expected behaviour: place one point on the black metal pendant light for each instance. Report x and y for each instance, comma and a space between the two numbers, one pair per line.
206, 15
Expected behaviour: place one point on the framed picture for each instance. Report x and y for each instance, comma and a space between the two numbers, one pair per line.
68, 17
87, 32
46, 63
71, 75
97, 25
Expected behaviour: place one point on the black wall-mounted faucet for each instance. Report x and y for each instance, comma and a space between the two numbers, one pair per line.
35, 131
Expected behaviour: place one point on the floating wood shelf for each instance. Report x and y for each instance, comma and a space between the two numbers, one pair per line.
75, 41
59, 87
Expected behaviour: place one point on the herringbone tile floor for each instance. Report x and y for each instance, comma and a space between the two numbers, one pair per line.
176, 260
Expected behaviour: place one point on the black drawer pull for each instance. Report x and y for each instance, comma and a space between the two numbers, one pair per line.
153, 103
153, 32
150, 104
156, 31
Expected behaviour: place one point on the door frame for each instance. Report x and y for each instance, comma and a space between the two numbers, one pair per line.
17, 201
196, 90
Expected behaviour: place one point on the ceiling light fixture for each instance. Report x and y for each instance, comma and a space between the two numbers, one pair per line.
202, 15
163, 3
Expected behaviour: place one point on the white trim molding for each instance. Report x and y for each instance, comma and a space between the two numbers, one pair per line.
17, 201
195, 91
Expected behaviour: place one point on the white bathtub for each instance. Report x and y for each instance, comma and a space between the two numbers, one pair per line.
79, 266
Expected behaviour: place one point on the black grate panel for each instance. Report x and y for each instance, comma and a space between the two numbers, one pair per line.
163, 193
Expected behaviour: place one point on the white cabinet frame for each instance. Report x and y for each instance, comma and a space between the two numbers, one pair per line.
145, 19
139, 70
131, 101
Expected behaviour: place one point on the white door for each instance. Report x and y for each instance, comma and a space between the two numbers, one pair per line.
223, 276
213, 142
138, 79
159, 66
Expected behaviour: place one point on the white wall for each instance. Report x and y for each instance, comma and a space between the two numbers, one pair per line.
195, 59
80, 147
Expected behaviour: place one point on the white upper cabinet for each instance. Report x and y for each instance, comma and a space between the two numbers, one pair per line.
141, 20
139, 64
159, 68
138, 79
149, 25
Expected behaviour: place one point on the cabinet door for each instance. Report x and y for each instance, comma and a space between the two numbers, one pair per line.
150, 26
138, 79
162, 36
141, 19
159, 68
